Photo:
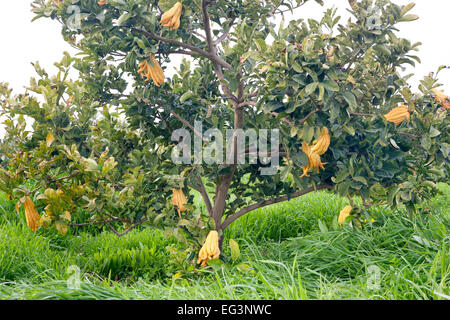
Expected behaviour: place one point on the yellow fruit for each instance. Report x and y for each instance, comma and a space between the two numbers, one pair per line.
179, 200
344, 214
322, 144
210, 249
397, 115
314, 161
171, 18
31, 214
153, 72
442, 98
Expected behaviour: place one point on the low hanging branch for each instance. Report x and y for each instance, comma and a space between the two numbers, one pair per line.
266, 203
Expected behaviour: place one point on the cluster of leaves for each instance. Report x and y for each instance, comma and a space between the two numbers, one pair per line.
347, 82
67, 162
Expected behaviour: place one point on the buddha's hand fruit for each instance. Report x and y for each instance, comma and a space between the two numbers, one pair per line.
171, 18
397, 115
210, 249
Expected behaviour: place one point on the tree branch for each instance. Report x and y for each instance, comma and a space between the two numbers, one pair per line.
58, 180
91, 223
126, 231
213, 52
266, 203
226, 33
214, 58
199, 134
207, 27
361, 114
247, 103
186, 52
204, 195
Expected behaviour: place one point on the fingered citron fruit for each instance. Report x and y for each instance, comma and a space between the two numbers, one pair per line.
210, 249
179, 200
171, 18
397, 115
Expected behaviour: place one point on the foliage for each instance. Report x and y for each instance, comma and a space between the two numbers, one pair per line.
412, 256
103, 143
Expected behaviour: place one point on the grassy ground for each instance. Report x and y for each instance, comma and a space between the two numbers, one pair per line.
289, 251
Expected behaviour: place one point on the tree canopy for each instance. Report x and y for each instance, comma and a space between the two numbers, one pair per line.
101, 147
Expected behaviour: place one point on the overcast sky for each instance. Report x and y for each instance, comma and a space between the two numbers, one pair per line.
24, 42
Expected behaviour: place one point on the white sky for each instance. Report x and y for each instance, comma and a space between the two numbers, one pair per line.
24, 42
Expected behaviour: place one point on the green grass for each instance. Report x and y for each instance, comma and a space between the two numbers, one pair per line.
285, 255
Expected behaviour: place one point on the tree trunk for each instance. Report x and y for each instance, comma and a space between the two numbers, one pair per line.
221, 238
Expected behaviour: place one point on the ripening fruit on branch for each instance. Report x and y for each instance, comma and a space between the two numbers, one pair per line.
321, 145
102, 2
397, 115
171, 18
344, 214
179, 200
442, 98
154, 72
313, 153
31, 215
210, 249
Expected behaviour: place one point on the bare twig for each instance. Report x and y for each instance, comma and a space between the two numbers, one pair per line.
247, 103
226, 33
361, 114
126, 231
91, 223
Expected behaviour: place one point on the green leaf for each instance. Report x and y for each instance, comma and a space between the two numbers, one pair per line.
294, 131
123, 18
297, 67
215, 263
361, 179
284, 173
184, 222
308, 133
350, 98
187, 96
300, 159
321, 92
330, 85
235, 251
310, 88
61, 226
341, 176
322, 226
166, 5
245, 268
260, 44
434, 132
408, 17
350, 130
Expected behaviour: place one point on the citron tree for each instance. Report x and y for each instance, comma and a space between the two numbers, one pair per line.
101, 149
